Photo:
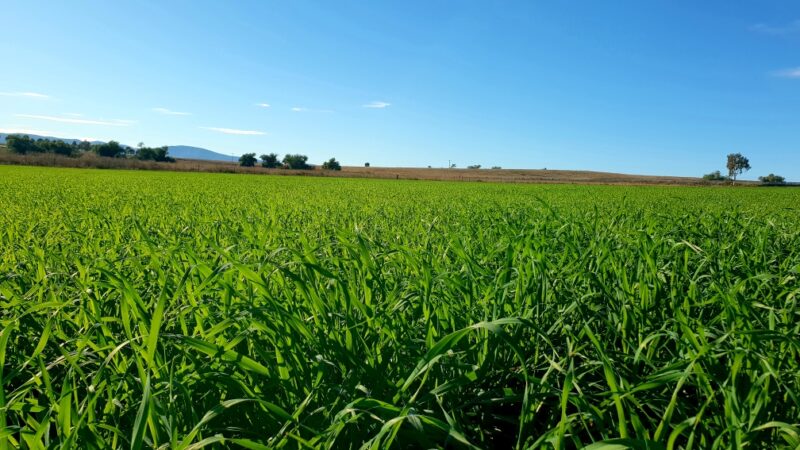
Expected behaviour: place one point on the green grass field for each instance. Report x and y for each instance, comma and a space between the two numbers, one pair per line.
180, 310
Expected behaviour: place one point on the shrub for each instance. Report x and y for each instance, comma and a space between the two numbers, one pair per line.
715, 176
331, 164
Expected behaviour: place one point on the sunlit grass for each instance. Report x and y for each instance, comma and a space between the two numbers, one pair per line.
171, 310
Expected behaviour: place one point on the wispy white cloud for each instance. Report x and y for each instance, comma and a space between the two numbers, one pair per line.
263, 105
170, 112
111, 123
777, 30
235, 131
25, 94
72, 114
304, 109
377, 105
788, 73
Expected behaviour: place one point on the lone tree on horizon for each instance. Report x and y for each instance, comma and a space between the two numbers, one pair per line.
737, 164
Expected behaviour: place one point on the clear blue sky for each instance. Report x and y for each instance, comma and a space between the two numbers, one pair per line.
650, 87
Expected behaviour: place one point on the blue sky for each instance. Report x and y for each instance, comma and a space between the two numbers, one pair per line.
649, 87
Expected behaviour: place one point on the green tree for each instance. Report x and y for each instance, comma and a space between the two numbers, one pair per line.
331, 164
159, 154
248, 160
59, 148
111, 149
737, 164
772, 179
84, 146
21, 144
270, 161
296, 161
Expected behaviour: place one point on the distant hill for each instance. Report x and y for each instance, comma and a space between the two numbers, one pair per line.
188, 152
176, 151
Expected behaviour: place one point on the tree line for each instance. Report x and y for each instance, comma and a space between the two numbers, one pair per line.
24, 145
290, 161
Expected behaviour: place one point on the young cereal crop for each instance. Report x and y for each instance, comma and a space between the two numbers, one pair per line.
180, 310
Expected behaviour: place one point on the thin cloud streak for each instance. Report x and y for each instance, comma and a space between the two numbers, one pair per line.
790, 28
377, 105
170, 112
788, 73
235, 131
263, 105
25, 94
113, 123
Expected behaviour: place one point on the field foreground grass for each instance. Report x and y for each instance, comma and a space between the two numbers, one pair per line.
185, 310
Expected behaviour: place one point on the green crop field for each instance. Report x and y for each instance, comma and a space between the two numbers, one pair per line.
183, 310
